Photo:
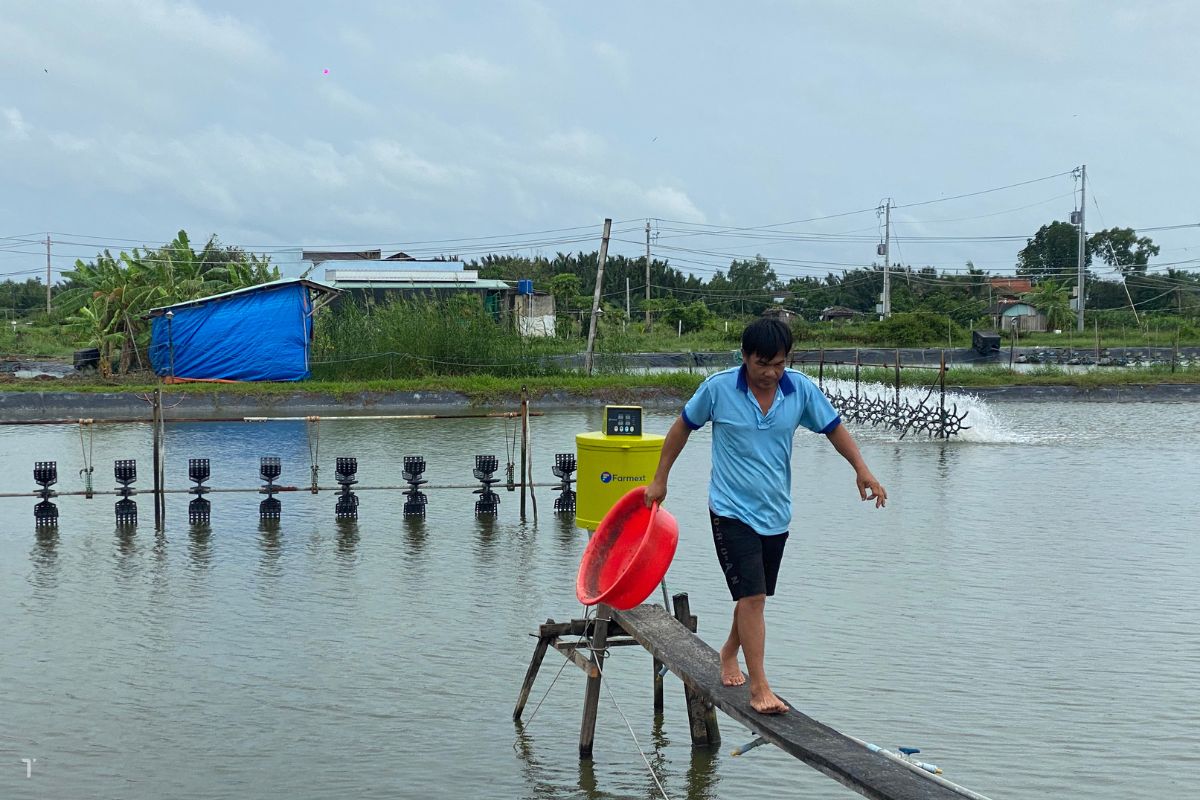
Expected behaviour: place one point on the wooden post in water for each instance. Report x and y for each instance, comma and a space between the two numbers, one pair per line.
658, 687
591, 697
897, 383
524, 445
821, 369
539, 652
156, 424
702, 717
857, 367
942, 401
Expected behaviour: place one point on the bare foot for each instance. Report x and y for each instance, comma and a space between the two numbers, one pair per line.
764, 701
731, 672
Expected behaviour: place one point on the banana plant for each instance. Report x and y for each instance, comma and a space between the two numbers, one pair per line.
96, 327
118, 291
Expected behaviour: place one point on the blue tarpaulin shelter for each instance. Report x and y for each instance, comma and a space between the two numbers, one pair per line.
259, 333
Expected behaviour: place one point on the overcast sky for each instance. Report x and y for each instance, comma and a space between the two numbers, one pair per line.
391, 124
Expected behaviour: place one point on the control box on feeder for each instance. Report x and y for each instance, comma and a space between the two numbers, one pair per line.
613, 461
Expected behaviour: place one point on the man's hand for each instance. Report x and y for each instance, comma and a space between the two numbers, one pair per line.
656, 492
870, 489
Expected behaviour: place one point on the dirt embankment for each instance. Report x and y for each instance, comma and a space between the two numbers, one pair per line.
70, 406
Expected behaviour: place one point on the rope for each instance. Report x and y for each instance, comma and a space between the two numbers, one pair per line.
88, 451
586, 612
533, 714
587, 615
636, 743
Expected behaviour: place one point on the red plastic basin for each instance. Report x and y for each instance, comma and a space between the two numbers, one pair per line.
628, 555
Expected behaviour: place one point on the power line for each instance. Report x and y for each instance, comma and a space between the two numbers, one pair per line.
986, 191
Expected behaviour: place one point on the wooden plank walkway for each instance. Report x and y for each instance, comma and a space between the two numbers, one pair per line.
819, 746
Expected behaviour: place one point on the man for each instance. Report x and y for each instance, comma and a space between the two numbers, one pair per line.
755, 410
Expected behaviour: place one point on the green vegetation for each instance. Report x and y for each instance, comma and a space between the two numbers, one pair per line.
35, 335
424, 337
104, 301
615, 387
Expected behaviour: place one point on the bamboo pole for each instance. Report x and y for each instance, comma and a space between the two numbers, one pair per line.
524, 445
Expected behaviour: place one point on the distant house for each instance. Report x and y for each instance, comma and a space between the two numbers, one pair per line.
1010, 287
780, 313
1018, 315
838, 314
398, 276
259, 333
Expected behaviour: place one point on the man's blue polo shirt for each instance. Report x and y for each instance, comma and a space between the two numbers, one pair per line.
752, 451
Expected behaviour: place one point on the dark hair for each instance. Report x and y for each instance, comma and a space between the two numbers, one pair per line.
767, 337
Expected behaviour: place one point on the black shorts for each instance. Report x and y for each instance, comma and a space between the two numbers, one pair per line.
749, 559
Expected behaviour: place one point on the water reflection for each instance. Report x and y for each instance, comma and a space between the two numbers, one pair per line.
565, 531
44, 556
587, 779
947, 457
200, 544
702, 775
415, 534
347, 536
485, 548
160, 546
701, 781
126, 536
270, 543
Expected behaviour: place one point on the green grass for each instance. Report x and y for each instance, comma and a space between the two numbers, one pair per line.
37, 340
483, 389
1048, 375
478, 388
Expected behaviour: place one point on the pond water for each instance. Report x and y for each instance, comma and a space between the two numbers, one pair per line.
1025, 611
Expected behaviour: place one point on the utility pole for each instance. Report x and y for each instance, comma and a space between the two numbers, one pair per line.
647, 275
47, 274
885, 300
1082, 246
591, 342
627, 298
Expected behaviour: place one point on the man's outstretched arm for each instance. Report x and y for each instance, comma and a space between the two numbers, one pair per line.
868, 487
676, 438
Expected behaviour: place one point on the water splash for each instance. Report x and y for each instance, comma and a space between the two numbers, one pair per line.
983, 424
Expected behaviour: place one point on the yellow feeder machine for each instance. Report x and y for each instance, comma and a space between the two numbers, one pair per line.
613, 461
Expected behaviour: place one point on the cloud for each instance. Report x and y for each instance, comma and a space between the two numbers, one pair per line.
337, 97
463, 68
576, 143
186, 23
616, 60
672, 203
599, 193
71, 143
393, 160
1006, 28
17, 127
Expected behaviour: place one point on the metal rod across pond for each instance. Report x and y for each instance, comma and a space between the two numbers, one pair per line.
257, 489
311, 418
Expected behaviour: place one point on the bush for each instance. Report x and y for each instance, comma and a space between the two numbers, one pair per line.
914, 329
415, 338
